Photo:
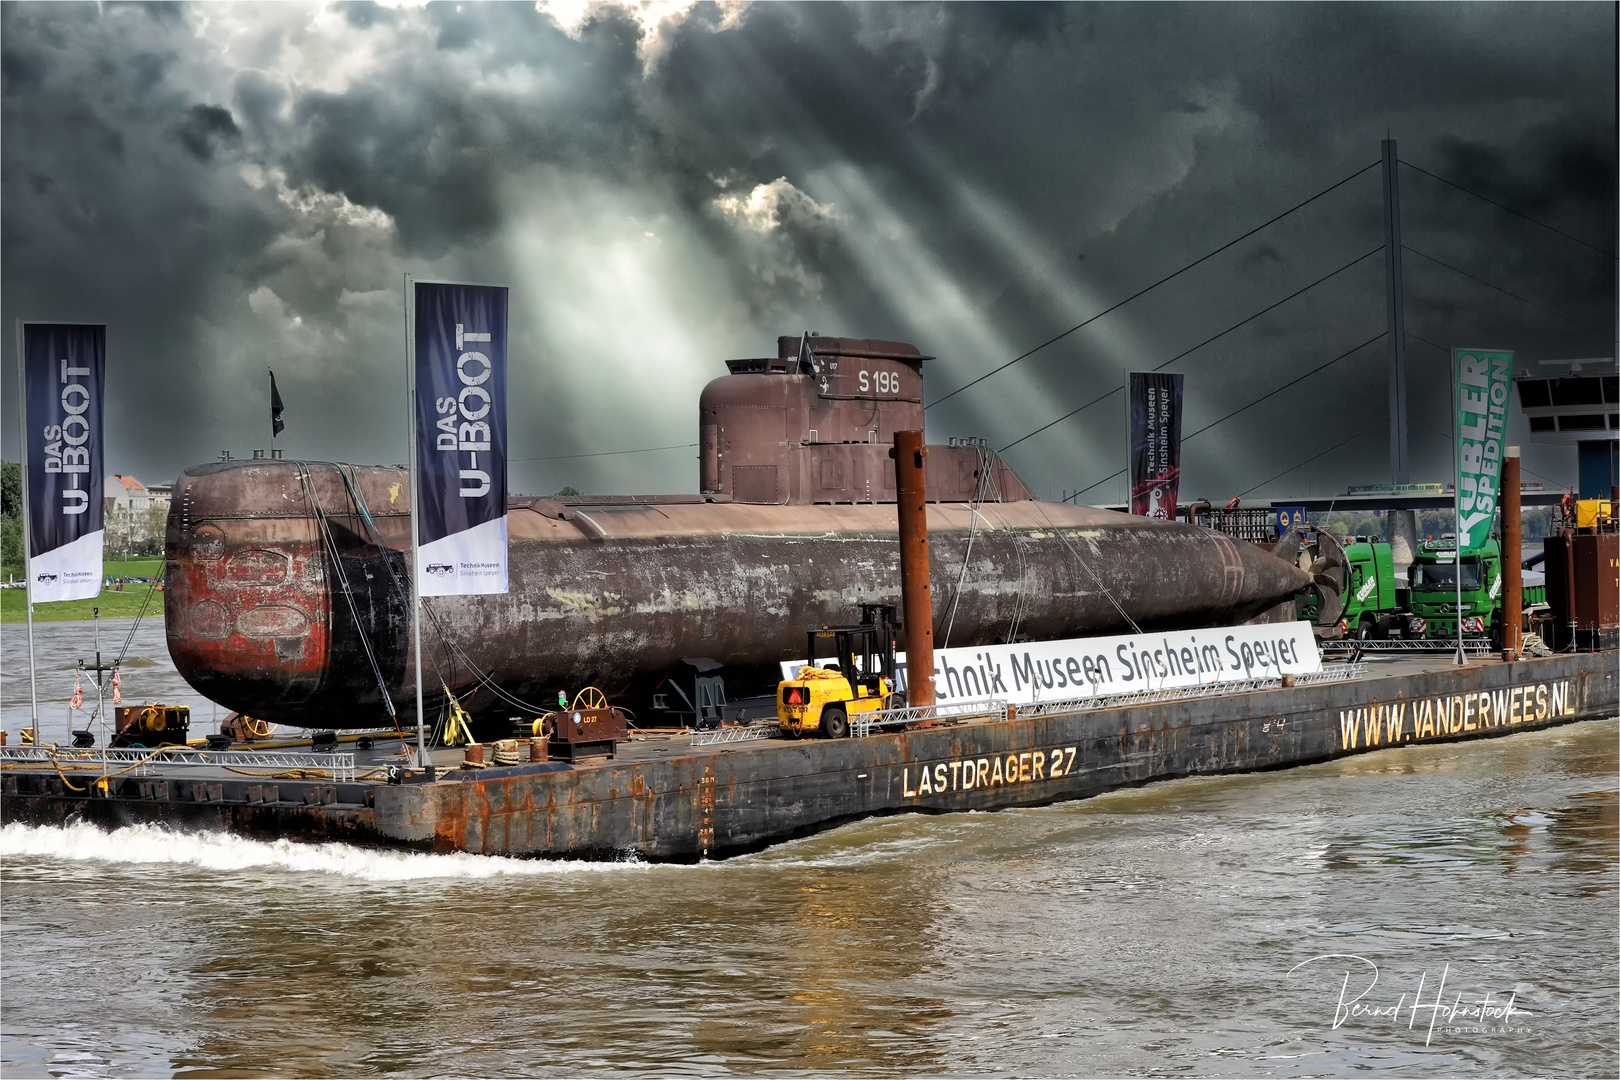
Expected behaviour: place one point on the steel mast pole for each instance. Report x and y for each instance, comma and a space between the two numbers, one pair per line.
1400, 466
101, 712
916, 596
1512, 553
1402, 524
416, 535
27, 528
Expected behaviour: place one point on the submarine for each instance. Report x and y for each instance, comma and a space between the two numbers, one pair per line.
287, 594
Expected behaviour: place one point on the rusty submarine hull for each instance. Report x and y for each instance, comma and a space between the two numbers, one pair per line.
288, 595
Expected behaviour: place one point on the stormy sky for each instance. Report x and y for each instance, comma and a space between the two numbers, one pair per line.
231, 187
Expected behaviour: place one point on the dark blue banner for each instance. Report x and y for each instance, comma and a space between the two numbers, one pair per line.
63, 376
461, 438
1155, 444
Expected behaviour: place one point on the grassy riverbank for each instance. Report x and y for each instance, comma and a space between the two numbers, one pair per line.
114, 604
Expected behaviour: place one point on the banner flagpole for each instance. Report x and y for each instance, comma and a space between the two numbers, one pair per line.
1456, 502
1125, 388
458, 345
416, 531
27, 527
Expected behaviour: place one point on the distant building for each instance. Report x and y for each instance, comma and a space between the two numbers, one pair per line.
125, 494
136, 514
1577, 401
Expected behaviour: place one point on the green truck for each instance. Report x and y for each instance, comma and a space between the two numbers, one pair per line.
1435, 568
1371, 608
1374, 608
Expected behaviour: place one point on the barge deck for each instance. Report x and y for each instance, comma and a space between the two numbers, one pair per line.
689, 797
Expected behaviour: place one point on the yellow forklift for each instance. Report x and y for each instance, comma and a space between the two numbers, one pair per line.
821, 701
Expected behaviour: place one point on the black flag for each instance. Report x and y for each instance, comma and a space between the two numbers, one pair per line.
277, 427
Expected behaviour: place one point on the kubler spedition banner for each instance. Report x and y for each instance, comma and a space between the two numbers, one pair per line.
1031, 672
63, 376
461, 438
1155, 444
1484, 385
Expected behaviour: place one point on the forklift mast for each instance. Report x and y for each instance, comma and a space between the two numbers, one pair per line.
864, 653
885, 627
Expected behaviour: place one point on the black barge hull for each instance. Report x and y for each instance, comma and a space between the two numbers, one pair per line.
673, 802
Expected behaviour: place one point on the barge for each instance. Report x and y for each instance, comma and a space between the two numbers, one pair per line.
707, 795
284, 575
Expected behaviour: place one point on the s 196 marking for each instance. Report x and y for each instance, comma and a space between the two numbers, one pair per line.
882, 382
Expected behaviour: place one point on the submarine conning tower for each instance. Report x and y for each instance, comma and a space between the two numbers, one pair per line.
814, 424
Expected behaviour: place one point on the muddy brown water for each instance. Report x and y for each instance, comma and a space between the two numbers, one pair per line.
146, 675
1227, 926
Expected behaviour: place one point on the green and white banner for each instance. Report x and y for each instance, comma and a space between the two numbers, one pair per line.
1484, 380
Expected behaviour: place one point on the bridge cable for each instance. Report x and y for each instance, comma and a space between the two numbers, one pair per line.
1313, 457
1489, 285
1195, 348
606, 453
1155, 285
1188, 438
1504, 206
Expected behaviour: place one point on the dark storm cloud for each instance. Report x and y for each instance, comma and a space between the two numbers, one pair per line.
1559, 173
109, 214
236, 186
204, 127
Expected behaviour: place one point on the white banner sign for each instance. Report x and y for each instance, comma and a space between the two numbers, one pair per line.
1034, 671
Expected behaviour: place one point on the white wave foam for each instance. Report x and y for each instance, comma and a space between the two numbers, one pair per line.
223, 852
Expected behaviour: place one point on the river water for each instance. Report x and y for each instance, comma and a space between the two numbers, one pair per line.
146, 675
1206, 927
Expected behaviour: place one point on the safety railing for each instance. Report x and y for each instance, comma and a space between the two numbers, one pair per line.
1406, 645
1330, 675
997, 706
1340, 673
141, 762
750, 733
866, 723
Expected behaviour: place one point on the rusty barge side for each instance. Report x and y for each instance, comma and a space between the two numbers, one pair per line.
685, 803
